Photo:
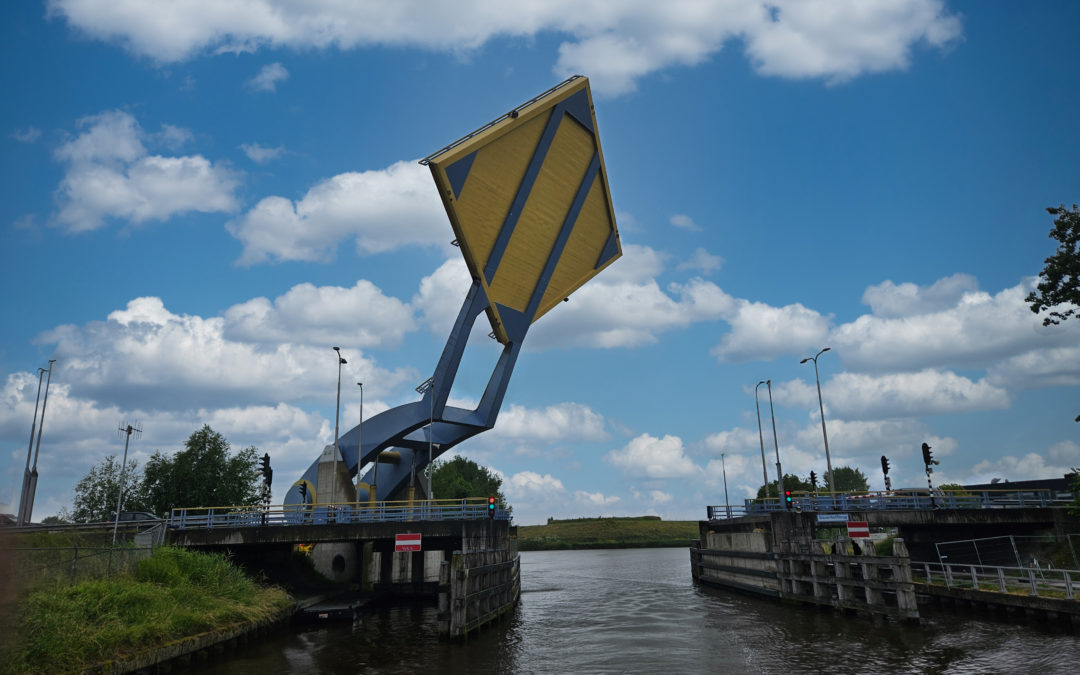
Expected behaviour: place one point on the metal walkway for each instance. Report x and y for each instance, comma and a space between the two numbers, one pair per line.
896, 501
323, 514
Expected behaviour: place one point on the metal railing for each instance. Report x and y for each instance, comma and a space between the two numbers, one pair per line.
897, 500
1037, 581
324, 514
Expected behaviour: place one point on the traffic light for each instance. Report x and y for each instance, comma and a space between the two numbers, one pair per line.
491, 507
813, 480
885, 465
787, 499
267, 472
303, 492
927, 456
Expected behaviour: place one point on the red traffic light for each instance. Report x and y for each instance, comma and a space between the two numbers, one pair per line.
787, 498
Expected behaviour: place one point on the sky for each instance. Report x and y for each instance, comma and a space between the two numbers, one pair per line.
199, 200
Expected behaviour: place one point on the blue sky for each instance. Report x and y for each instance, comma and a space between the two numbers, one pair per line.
197, 204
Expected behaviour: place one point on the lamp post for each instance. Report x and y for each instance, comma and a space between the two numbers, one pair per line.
427, 388
31, 484
723, 467
821, 406
776, 444
761, 440
30, 451
360, 444
337, 415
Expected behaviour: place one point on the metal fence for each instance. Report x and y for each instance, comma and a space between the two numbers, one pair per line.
74, 563
1021, 551
323, 514
1053, 583
897, 500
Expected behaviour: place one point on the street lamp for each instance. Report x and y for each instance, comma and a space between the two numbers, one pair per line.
337, 415
776, 444
31, 483
29, 452
723, 467
427, 388
360, 443
821, 406
761, 439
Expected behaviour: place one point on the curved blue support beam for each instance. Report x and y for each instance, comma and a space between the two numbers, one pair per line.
406, 427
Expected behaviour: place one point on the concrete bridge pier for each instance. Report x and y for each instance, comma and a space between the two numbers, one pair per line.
339, 562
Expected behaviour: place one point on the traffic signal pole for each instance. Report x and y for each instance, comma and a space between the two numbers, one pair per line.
928, 460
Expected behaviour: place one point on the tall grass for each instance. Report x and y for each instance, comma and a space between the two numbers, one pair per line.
172, 595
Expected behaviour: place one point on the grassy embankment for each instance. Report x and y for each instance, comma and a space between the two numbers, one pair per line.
641, 532
172, 595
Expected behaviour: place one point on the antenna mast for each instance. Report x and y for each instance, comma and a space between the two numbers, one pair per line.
126, 430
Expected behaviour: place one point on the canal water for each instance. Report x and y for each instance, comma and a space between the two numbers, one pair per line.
638, 611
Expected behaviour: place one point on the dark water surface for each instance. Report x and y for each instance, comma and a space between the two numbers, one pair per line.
638, 611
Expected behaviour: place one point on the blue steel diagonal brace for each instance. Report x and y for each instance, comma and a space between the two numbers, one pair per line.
404, 428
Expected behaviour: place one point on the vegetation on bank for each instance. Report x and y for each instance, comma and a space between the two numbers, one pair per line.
640, 532
172, 595
205, 473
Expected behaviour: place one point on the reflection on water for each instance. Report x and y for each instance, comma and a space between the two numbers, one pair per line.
637, 611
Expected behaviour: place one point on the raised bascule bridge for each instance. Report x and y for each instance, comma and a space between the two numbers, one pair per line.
528, 199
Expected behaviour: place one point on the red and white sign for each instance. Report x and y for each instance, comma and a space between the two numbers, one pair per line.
411, 542
856, 529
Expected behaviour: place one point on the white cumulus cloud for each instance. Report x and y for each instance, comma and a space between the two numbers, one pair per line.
310, 314
851, 395
557, 422
110, 174
974, 329
892, 300
653, 457
1058, 460
381, 209
761, 331
526, 483
615, 43
146, 356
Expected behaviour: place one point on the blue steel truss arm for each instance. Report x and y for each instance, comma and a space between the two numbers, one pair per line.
430, 422
404, 428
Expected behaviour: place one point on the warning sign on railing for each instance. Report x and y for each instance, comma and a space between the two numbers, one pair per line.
856, 529
410, 542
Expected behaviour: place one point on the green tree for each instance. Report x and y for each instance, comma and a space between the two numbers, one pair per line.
204, 473
462, 478
96, 492
793, 483
956, 488
1059, 282
848, 479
